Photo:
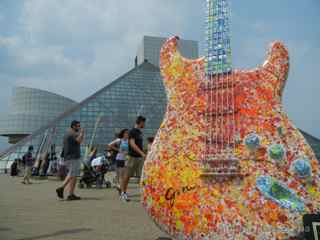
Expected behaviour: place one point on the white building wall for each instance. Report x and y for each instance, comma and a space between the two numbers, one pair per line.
30, 109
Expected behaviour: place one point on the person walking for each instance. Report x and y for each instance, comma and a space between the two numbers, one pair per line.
28, 164
121, 145
135, 155
71, 146
14, 168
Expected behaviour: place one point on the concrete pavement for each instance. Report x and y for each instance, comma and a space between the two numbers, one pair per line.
32, 212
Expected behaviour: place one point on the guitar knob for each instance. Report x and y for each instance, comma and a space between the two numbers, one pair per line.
276, 152
302, 168
252, 142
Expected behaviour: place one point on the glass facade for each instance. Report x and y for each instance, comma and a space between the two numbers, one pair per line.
138, 92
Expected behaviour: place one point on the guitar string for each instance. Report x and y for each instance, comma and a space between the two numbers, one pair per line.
210, 82
214, 149
227, 88
228, 84
213, 83
212, 129
210, 78
217, 109
216, 81
207, 97
207, 90
209, 93
227, 92
220, 78
223, 76
234, 124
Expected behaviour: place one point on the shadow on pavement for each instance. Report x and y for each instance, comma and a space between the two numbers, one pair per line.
32, 183
59, 233
82, 199
91, 199
3, 229
134, 195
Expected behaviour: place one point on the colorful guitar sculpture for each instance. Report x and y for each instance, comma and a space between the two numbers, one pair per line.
227, 163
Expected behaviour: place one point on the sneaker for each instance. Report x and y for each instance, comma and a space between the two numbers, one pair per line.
124, 197
59, 192
73, 198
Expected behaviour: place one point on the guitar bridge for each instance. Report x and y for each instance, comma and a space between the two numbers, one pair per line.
221, 168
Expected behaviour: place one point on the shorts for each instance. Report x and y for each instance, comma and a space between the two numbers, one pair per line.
73, 167
121, 163
133, 165
27, 172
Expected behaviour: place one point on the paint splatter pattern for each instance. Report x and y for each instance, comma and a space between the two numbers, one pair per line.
185, 205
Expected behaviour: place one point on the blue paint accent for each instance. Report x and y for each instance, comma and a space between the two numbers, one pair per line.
252, 141
302, 168
280, 193
276, 152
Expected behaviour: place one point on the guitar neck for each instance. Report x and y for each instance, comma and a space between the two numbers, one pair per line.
218, 51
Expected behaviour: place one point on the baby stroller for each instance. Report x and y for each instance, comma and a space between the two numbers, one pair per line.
94, 173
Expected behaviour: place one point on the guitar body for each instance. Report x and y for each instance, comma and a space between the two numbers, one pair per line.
188, 206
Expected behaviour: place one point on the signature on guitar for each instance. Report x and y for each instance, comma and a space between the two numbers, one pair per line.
172, 194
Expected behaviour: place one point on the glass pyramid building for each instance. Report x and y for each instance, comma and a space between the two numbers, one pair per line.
138, 92
116, 106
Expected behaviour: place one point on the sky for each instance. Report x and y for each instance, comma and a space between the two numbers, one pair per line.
76, 47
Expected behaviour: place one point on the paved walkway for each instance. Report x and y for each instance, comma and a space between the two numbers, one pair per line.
32, 212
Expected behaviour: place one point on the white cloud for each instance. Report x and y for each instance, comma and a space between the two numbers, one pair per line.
261, 27
6, 42
85, 44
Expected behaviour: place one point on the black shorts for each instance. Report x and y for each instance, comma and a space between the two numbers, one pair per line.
121, 164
